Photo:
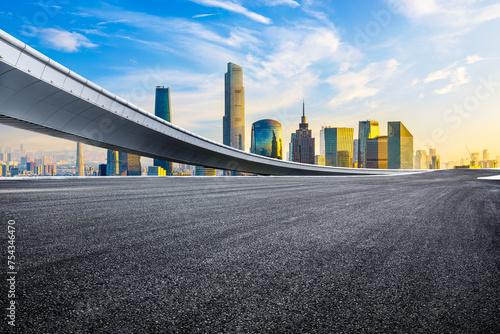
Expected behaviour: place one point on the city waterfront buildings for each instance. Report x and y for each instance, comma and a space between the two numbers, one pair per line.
376, 153
338, 146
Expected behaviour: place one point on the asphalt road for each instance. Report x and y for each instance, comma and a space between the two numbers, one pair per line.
402, 254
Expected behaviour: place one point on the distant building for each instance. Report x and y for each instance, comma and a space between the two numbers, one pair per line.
234, 116
267, 139
436, 162
290, 147
338, 146
355, 149
367, 130
486, 155
129, 164
399, 146
303, 143
156, 171
112, 165
163, 111
3, 170
475, 159
102, 169
420, 159
80, 168
319, 160
202, 171
376, 153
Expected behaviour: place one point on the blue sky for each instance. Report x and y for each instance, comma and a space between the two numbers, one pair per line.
432, 64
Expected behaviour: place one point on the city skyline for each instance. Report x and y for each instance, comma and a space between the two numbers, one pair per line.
444, 93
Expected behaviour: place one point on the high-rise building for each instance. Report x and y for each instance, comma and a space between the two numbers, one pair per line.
112, 166
102, 169
486, 155
436, 162
420, 159
303, 143
234, 117
376, 153
129, 164
267, 139
163, 111
367, 130
319, 160
80, 168
355, 149
399, 146
204, 171
290, 147
338, 143
475, 159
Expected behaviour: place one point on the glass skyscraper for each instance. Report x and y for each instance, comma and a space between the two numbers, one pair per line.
338, 143
163, 111
376, 153
290, 147
112, 166
399, 146
367, 130
267, 139
129, 164
234, 104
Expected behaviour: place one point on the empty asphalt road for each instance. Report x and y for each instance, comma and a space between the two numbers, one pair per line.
402, 254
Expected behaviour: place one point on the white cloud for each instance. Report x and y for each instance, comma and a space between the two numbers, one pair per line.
458, 78
472, 59
61, 39
441, 74
290, 3
355, 85
204, 15
234, 7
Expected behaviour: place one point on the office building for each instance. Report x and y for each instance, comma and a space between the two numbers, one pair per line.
267, 139
436, 162
376, 153
319, 160
3, 170
163, 111
303, 143
367, 130
234, 107
420, 159
204, 171
355, 150
80, 168
129, 164
399, 146
486, 155
102, 169
475, 159
290, 147
338, 143
112, 165
156, 171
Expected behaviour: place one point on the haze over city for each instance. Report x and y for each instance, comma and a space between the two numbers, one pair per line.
429, 64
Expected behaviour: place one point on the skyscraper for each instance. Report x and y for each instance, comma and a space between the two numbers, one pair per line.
112, 166
234, 117
80, 169
204, 171
355, 149
486, 155
290, 147
163, 111
267, 139
376, 153
399, 146
129, 164
337, 143
420, 159
303, 143
367, 130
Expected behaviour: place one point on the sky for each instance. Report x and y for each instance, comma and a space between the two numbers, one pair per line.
432, 64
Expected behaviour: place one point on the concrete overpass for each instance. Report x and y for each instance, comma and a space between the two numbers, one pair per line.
39, 94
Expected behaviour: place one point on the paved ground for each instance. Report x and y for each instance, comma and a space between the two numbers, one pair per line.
405, 254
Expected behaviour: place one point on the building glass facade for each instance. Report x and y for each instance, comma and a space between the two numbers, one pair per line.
376, 153
303, 143
163, 111
399, 146
338, 145
267, 139
234, 107
367, 130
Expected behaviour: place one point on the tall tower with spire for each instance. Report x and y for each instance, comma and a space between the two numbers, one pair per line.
80, 169
303, 143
